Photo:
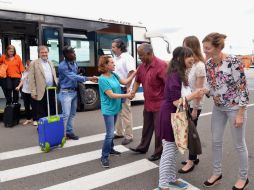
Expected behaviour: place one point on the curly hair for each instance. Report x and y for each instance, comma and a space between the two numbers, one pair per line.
103, 61
177, 63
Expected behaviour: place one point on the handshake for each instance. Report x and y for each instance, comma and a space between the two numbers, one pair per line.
197, 94
93, 79
200, 92
130, 95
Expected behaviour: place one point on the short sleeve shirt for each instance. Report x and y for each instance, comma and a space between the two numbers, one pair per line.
197, 70
124, 64
109, 106
152, 77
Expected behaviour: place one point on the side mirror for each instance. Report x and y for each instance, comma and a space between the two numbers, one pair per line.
162, 36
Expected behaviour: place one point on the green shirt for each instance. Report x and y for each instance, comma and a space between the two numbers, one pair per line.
110, 106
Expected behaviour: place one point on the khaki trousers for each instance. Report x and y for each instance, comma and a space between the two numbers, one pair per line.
124, 121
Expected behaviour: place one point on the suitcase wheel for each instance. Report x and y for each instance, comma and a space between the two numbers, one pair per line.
46, 147
63, 141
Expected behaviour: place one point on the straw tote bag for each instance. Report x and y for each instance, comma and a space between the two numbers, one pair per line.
180, 124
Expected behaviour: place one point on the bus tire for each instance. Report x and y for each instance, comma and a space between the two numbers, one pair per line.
92, 97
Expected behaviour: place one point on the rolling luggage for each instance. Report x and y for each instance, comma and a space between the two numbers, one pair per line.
11, 115
51, 128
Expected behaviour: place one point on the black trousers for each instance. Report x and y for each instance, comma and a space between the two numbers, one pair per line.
28, 103
41, 105
194, 157
12, 95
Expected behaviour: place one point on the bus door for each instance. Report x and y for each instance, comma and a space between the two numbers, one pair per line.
18, 41
25, 45
52, 37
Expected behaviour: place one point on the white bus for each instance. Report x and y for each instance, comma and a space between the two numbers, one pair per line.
26, 30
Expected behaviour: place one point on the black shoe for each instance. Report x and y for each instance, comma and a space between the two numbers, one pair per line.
118, 136
105, 163
217, 181
195, 162
154, 157
181, 171
244, 187
126, 141
137, 151
72, 136
115, 153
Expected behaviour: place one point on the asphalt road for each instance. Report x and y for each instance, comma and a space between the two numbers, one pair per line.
77, 166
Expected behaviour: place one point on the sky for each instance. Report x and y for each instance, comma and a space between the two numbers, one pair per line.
176, 18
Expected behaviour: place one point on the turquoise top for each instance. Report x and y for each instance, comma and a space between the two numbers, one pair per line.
110, 106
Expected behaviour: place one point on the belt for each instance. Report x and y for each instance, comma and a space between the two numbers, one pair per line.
69, 89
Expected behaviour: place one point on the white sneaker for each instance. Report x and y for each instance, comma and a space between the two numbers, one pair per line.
35, 123
27, 121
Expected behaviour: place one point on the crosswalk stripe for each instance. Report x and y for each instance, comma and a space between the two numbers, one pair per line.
36, 149
84, 140
210, 113
106, 177
51, 165
191, 187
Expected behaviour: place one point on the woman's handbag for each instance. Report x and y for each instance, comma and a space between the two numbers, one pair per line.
3, 68
194, 143
180, 124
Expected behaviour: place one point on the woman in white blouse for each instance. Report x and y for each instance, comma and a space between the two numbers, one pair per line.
196, 79
26, 95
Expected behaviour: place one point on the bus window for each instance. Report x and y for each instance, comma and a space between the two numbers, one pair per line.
33, 50
18, 46
138, 61
84, 52
105, 42
1, 47
51, 39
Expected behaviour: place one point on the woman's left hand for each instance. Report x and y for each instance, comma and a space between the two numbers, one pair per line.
178, 102
239, 120
194, 114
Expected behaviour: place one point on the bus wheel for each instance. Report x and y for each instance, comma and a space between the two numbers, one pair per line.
92, 98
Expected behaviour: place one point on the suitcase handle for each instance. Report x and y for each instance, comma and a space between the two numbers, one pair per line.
47, 89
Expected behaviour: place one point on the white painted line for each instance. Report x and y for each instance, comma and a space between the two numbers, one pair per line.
30, 170
210, 113
205, 114
106, 177
191, 187
84, 140
36, 149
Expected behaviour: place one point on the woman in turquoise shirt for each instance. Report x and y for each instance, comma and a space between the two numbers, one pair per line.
110, 95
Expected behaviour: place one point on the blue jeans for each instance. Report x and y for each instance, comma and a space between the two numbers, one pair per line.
108, 144
68, 101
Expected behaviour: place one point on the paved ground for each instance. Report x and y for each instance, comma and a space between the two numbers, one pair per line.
24, 167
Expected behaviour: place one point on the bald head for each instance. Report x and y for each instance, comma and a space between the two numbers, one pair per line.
145, 52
